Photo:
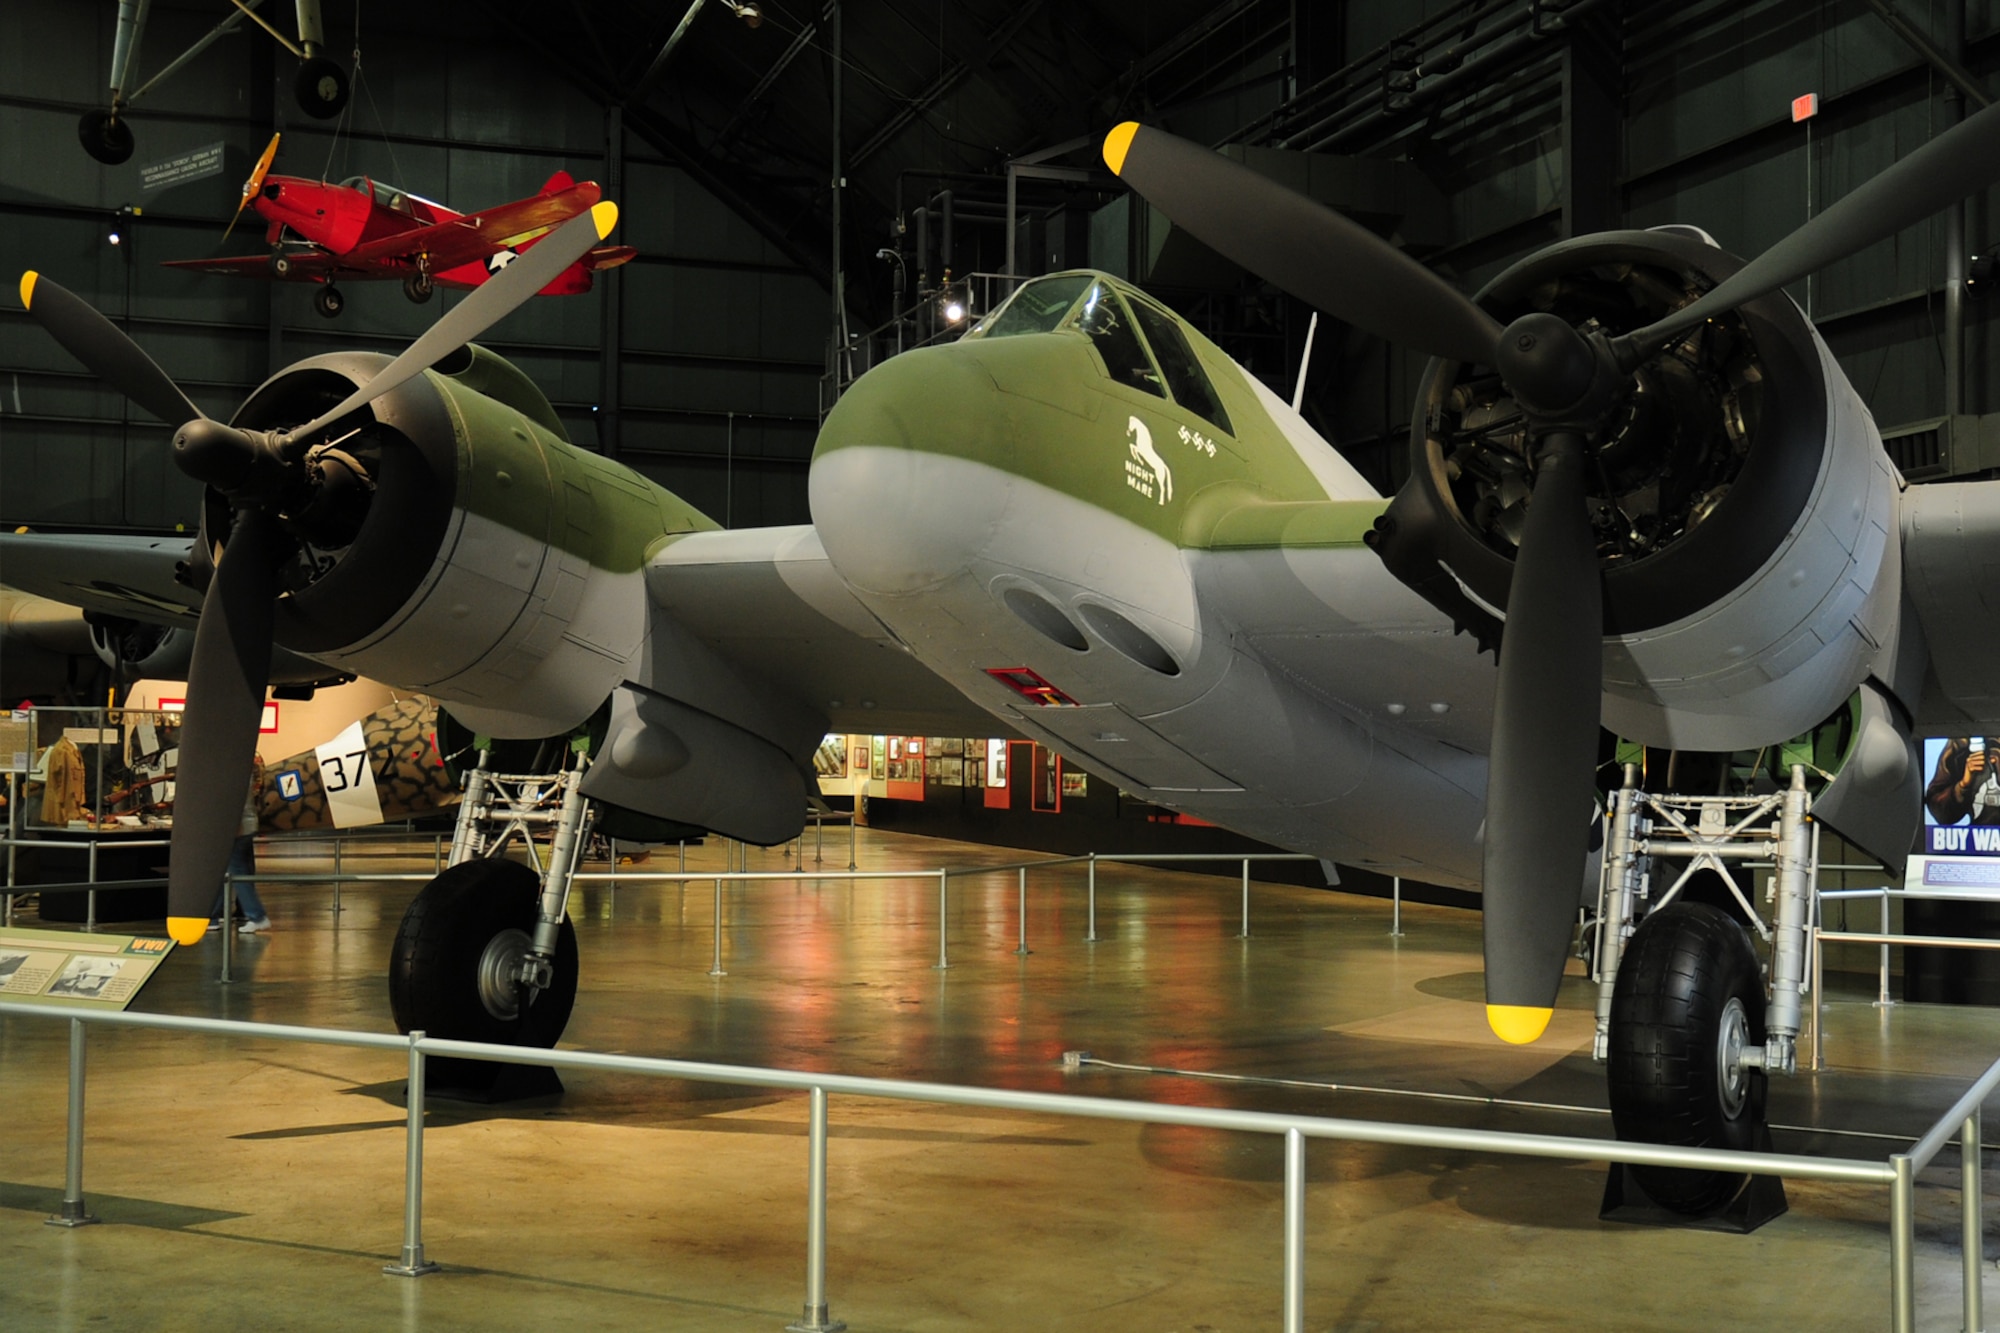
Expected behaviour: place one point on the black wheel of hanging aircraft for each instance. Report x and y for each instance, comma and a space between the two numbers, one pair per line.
1689, 997
105, 137
460, 938
419, 287
328, 301
321, 87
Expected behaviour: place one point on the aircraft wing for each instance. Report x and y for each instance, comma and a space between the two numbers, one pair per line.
305, 266
475, 235
131, 577
768, 601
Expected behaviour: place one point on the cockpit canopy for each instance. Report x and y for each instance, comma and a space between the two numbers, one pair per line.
1142, 345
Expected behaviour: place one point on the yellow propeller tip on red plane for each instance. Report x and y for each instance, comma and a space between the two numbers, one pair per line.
1117, 144
187, 929
605, 215
28, 289
1518, 1024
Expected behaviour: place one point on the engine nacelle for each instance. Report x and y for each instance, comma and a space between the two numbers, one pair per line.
1742, 504
458, 544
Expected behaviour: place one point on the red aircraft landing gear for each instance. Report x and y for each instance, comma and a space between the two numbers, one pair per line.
419, 288
328, 301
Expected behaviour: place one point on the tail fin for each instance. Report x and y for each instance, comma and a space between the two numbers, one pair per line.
557, 183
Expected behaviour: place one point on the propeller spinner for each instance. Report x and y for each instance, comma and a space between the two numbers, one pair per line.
254, 471
1568, 382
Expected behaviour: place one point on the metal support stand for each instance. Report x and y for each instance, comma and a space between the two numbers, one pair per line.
1244, 934
74, 1213
942, 962
1090, 934
853, 835
1295, 1231
1024, 950
337, 845
815, 1319
1396, 907
413, 1264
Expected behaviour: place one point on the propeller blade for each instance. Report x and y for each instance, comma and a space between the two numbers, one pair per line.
104, 349
497, 297
254, 184
1309, 250
1963, 159
225, 704
1539, 783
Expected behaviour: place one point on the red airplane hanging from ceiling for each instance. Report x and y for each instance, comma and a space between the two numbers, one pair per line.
363, 230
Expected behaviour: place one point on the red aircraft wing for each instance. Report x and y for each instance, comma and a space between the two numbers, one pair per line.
475, 236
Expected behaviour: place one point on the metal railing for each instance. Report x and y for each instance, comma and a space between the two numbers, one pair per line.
1898, 1172
1886, 939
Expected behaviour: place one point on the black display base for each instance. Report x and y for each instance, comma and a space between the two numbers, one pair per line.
486, 1082
1761, 1199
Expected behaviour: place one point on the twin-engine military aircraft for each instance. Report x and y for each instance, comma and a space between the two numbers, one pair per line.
362, 230
1636, 470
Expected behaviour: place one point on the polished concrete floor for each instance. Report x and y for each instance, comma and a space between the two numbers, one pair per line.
259, 1184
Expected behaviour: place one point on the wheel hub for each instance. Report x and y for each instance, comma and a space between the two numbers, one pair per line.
1732, 1076
498, 967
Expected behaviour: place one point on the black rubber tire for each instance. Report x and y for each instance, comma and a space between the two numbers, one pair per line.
419, 289
329, 302
105, 137
281, 265
434, 965
1680, 970
321, 87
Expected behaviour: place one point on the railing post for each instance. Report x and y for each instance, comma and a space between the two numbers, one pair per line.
1396, 907
1882, 1000
90, 908
1819, 993
1902, 1247
1245, 933
815, 1320
73, 1213
1295, 1231
715, 969
414, 1264
228, 927
1023, 951
942, 962
853, 836
1971, 1224
336, 874
1091, 933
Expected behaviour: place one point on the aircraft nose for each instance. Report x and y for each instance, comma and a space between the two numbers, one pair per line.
905, 490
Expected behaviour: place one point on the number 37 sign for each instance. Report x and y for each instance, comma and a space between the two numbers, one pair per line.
348, 780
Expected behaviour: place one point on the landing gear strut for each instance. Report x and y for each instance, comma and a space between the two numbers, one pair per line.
1682, 1015
486, 951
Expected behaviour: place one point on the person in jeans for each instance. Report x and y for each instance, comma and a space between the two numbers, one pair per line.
243, 864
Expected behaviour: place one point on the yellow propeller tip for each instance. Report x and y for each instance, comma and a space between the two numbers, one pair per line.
28, 289
187, 929
1117, 144
1518, 1024
605, 215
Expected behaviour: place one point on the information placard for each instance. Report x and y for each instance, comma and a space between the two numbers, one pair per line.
58, 967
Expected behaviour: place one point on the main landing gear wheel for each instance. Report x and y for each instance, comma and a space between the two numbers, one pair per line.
321, 87
419, 287
105, 137
328, 301
1688, 999
450, 973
